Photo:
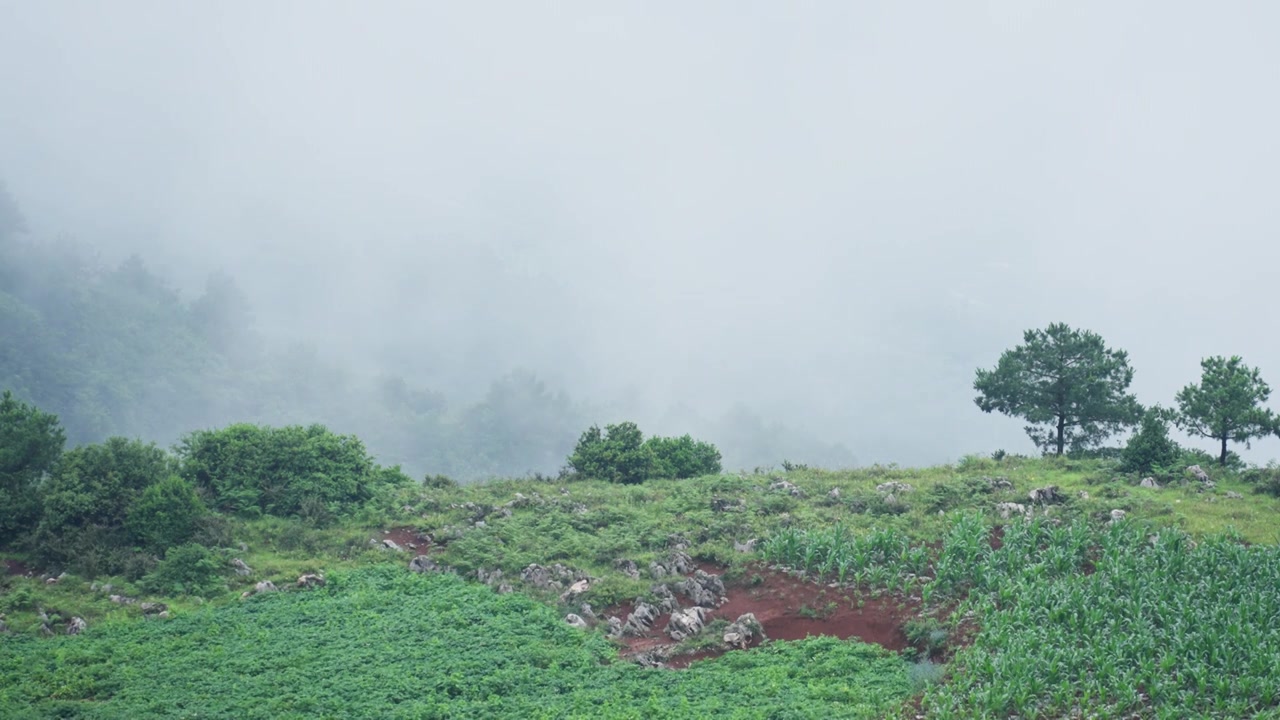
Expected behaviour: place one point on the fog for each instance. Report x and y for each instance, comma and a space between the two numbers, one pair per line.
817, 217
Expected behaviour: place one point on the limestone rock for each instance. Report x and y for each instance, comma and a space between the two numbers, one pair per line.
264, 586
1046, 495
1009, 509
576, 621
423, 564
894, 487
310, 580
787, 487
745, 547
76, 626
241, 568
640, 620
686, 623
742, 631
1117, 515
1149, 482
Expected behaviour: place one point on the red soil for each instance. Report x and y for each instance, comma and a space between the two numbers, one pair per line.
406, 536
790, 609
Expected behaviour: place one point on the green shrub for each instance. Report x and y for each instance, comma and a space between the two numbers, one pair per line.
30, 443
247, 468
187, 570
87, 499
168, 513
1150, 450
683, 457
619, 454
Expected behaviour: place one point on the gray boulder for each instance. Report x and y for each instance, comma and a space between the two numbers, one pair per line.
686, 623
76, 626
423, 564
264, 586
894, 487
1149, 482
576, 621
241, 568
745, 547
1198, 473
742, 631
640, 620
787, 487
1046, 495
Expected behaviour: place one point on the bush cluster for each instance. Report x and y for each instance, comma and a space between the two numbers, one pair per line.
621, 454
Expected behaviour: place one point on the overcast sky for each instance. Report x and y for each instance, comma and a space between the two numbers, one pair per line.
829, 212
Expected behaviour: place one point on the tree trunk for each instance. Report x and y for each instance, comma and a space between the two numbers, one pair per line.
1062, 426
1222, 459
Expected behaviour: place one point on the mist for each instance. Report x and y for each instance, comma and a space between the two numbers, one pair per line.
793, 229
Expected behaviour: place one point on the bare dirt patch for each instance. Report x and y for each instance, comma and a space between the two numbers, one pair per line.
408, 538
790, 608
16, 567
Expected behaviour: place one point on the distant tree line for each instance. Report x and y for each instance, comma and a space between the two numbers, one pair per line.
1073, 392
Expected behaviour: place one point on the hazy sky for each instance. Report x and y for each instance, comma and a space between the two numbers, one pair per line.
829, 212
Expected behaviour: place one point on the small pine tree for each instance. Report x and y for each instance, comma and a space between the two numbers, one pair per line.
1150, 449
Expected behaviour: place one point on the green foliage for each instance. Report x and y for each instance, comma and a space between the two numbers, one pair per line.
358, 647
1227, 404
87, 498
189, 569
30, 443
1066, 384
1151, 449
683, 457
168, 513
280, 471
617, 455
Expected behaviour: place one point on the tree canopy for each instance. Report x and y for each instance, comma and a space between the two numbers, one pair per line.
1066, 383
30, 442
1226, 405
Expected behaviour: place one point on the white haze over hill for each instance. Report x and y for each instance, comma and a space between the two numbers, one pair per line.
825, 214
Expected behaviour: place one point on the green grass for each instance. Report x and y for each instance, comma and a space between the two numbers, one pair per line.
383, 643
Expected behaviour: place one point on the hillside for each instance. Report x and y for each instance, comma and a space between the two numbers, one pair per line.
1101, 597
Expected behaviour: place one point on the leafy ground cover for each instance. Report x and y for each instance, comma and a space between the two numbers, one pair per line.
384, 643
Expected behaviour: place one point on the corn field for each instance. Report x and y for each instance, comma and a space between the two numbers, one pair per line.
1081, 620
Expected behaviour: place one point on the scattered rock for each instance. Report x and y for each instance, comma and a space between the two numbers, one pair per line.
834, 493
1084, 494
703, 589
586, 611
1008, 509
787, 487
51, 581
76, 626
1149, 482
1198, 473
1233, 495
640, 620
627, 567
894, 487
686, 623
505, 589
615, 626
1046, 495
46, 630
678, 563
264, 586
489, 577
576, 621
310, 580
725, 505
745, 547
667, 601
153, 608
423, 564
122, 600
391, 545
998, 483
575, 590
1117, 515
555, 576
742, 631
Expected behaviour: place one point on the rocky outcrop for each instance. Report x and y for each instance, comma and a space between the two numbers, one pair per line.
575, 590
702, 589
241, 568
615, 626
998, 484
894, 488
640, 620
686, 623
586, 611
1046, 495
627, 567
390, 544
153, 608
264, 587
554, 577
424, 564
76, 626
677, 563
576, 621
1233, 495
745, 547
787, 487
1009, 509
666, 600
1117, 515
742, 631
1198, 473
1149, 482
726, 505
308, 581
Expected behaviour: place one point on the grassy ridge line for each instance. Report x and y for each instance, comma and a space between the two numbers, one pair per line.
381, 642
